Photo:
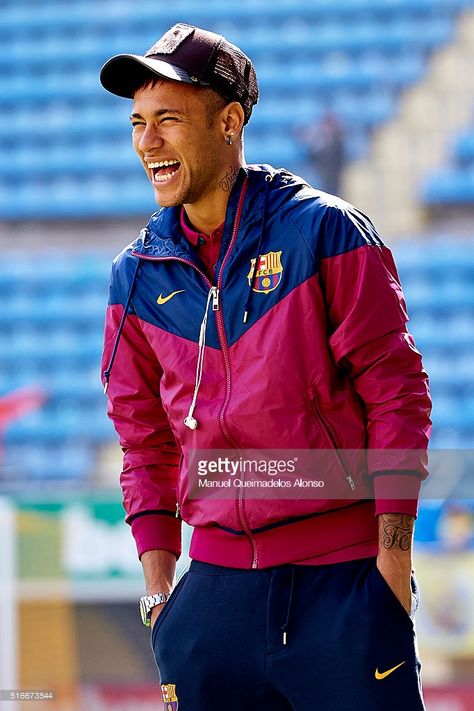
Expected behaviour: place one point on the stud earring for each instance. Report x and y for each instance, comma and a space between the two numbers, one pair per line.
228, 139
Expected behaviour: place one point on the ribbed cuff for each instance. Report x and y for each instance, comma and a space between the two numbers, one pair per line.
157, 532
396, 492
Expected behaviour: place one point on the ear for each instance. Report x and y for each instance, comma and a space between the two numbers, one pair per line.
232, 118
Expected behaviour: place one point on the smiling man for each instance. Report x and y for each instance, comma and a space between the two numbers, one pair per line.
184, 156
255, 312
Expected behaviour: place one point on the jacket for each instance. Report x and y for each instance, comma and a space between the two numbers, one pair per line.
301, 344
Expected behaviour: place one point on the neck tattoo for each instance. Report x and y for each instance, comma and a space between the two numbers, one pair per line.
227, 182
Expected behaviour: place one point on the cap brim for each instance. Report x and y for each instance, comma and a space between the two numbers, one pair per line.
124, 73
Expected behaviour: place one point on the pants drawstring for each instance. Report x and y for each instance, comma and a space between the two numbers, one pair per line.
284, 627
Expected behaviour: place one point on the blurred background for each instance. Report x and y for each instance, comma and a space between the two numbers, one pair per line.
371, 99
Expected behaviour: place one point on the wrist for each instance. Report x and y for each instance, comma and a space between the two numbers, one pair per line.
397, 572
159, 568
396, 563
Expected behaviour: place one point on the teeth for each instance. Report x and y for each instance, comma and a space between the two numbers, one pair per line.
162, 163
164, 178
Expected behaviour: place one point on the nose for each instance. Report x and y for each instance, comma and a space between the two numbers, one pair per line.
150, 138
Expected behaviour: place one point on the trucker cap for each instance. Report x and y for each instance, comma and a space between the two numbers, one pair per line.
191, 55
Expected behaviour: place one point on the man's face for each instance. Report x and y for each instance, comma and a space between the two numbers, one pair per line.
182, 154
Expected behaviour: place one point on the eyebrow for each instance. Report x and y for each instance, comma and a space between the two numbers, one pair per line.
158, 113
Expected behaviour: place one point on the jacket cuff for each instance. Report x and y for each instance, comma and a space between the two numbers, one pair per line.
396, 492
157, 532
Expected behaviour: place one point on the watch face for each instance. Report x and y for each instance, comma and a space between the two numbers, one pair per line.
145, 614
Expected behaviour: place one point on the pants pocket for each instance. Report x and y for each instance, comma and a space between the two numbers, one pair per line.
392, 600
415, 594
167, 609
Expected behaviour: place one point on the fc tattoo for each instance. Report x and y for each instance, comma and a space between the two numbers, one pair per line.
397, 531
227, 182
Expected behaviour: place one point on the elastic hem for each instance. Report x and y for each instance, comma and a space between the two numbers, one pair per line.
337, 530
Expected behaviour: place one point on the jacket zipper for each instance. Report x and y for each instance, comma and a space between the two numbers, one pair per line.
330, 440
178, 512
225, 352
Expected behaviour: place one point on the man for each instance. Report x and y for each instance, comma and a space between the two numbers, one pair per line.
254, 312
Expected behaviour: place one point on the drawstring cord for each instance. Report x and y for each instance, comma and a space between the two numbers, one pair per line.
284, 627
120, 328
268, 179
190, 421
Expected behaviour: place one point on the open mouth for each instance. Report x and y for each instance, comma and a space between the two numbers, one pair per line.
163, 170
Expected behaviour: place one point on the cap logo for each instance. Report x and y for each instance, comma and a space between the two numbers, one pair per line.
171, 40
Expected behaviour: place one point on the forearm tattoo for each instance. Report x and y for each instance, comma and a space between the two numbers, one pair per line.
397, 531
227, 182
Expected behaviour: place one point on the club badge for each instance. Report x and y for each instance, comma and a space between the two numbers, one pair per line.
268, 272
170, 700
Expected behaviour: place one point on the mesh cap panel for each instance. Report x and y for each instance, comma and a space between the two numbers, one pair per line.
235, 78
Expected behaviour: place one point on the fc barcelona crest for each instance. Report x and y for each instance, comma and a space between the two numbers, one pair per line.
268, 272
170, 700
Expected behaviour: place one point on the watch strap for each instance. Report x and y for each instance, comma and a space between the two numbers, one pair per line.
156, 599
148, 602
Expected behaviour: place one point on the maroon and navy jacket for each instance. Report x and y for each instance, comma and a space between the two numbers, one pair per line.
312, 353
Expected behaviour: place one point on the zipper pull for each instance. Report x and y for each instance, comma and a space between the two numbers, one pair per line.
351, 482
177, 514
215, 298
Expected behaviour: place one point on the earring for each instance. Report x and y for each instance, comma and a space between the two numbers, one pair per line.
228, 139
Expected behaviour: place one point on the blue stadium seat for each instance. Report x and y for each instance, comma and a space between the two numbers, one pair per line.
450, 188
464, 148
453, 184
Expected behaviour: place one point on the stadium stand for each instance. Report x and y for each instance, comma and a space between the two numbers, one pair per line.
439, 288
51, 336
51, 331
68, 141
413, 144
69, 157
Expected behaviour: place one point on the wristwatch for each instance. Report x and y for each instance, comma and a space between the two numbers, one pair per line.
148, 602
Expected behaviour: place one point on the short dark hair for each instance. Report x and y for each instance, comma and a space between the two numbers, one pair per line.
214, 103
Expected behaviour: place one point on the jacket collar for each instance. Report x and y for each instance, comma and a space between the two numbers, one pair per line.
163, 236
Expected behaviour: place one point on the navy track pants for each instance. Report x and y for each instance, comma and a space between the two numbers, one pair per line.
220, 641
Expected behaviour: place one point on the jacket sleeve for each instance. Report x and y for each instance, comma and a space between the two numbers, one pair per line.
150, 454
368, 337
